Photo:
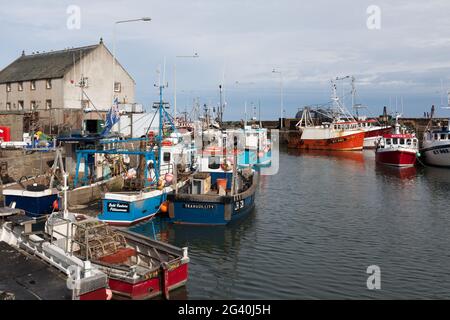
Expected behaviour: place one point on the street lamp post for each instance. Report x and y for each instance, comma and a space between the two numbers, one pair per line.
145, 19
281, 96
195, 55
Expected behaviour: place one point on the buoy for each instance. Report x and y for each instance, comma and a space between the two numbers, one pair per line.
55, 205
164, 207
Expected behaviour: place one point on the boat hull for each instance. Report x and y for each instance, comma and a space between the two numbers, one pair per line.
397, 158
348, 142
34, 204
210, 209
437, 155
150, 288
123, 212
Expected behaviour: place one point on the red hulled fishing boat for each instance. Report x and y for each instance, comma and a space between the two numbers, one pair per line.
397, 149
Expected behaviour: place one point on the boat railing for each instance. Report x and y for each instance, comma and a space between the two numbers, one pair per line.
55, 220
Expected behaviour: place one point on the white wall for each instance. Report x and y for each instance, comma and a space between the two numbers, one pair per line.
97, 67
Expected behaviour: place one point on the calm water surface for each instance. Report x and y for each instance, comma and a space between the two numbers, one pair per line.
316, 228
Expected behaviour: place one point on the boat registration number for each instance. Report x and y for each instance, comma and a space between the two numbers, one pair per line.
440, 151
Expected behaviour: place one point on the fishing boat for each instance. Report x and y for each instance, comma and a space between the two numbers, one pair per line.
436, 146
337, 135
216, 194
397, 149
436, 143
145, 193
138, 268
20, 231
342, 133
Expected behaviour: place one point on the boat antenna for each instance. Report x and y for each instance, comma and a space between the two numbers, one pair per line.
65, 188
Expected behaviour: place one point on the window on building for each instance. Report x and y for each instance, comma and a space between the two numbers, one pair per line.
48, 104
33, 105
117, 87
20, 104
8, 87
20, 86
33, 85
48, 83
8, 106
85, 104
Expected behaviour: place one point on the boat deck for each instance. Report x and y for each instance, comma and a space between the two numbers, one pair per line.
28, 278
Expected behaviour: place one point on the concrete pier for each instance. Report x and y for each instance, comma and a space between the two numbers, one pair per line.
25, 277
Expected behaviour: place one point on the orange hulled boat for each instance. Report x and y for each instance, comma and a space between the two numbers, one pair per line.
342, 133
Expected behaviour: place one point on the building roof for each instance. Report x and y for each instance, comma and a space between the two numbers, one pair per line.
48, 65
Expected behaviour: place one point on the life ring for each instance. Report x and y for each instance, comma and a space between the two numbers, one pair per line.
226, 166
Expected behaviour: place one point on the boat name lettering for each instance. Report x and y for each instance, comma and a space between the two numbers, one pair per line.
198, 206
118, 207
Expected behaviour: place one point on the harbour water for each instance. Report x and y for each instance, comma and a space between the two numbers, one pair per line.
318, 224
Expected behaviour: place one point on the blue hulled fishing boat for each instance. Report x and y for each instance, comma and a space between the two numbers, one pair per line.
218, 193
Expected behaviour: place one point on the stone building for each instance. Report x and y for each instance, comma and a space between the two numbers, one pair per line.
55, 91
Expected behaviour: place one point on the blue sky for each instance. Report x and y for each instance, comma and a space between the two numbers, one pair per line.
242, 41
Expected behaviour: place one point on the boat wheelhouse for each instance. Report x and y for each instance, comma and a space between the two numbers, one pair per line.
373, 131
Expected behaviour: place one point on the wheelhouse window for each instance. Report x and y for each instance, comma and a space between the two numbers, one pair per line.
435, 136
388, 141
443, 136
33, 85
408, 142
166, 157
48, 83
214, 162
402, 141
395, 141
20, 86
8, 87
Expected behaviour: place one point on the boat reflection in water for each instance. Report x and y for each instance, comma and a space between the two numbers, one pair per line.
438, 178
356, 157
403, 173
